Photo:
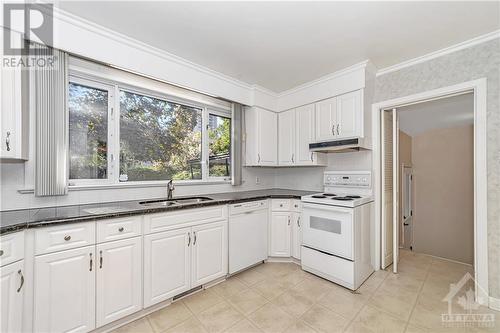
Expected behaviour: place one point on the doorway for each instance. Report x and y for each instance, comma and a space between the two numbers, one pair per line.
387, 188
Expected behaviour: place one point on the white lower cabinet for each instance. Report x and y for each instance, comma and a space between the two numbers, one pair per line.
209, 253
12, 293
279, 231
296, 235
119, 279
65, 291
167, 259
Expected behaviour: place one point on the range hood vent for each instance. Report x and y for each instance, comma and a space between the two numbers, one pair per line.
338, 146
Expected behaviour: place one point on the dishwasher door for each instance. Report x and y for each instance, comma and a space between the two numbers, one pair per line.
248, 229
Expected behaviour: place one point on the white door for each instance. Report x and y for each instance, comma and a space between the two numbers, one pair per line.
280, 234
286, 138
119, 279
12, 293
304, 131
209, 253
326, 119
296, 235
267, 153
64, 297
167, 259
407, 209
349, 115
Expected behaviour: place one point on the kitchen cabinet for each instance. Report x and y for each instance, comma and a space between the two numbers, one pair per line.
209, 253
14, 109
12, 293
296, 240
167, 259
261, 137
339, 117
286, 138
119, 279
279, 232
65, 291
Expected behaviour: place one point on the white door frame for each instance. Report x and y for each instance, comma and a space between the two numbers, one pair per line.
479, 88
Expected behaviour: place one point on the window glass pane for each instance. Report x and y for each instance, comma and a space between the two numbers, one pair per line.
88, 132
159, 140
219, 134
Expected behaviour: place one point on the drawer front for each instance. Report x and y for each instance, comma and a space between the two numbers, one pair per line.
121, 228
280, 205
63, 237
296, 206
11, 248
182, 218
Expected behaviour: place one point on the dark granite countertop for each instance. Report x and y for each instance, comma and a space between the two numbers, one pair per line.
14, 220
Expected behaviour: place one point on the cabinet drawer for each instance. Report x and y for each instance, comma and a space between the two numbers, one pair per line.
296, 206
182, 218
63, 237
11, 248
280, 204
114, 229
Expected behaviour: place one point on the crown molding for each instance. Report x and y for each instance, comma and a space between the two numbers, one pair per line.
264, 90
439, 53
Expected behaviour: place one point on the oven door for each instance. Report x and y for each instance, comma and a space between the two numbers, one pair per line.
328, 229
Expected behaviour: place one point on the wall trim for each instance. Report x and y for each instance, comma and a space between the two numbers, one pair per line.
439, 53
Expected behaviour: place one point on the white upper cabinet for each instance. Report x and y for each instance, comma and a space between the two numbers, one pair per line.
340, 117
261, 137
286, 138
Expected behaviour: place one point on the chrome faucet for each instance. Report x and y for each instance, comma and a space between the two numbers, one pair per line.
170, 189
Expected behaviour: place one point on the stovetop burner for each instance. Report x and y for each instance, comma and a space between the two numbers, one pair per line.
329, 195
348, 198
318, 196
353, 196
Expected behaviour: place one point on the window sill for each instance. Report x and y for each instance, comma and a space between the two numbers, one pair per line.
88, 187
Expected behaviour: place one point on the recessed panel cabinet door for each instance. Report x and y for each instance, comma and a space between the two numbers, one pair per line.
349, 115
267, 153
166, 265
65, 291
304, 134
12, 293
119, 279
209, 253
326, 119
280, 234
296, 235
286, 138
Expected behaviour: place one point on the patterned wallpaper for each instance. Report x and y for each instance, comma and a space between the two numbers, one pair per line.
476, 62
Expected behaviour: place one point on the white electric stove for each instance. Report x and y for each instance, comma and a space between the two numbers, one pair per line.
337, 238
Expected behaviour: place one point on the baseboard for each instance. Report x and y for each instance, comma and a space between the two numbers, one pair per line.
494, 303
283, 259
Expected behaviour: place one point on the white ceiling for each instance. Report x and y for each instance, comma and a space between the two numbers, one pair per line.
442, 113
279, 45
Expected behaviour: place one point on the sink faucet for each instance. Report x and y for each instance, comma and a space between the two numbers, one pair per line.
170, 189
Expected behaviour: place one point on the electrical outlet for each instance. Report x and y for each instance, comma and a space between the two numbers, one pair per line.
257, 180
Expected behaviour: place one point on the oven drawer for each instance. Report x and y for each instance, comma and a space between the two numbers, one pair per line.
329, 229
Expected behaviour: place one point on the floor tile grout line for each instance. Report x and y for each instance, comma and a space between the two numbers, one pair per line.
418, 296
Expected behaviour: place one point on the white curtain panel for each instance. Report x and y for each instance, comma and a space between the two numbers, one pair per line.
51, 138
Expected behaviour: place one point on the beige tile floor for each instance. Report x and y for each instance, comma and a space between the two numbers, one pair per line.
280, 297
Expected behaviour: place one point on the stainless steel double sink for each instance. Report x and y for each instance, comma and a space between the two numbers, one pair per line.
175, 202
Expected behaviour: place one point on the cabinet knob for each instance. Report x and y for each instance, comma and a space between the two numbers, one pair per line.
281, 205
1, 253
67, 238
120, 229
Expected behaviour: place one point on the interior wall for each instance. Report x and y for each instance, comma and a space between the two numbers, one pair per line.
405, 159
443, 174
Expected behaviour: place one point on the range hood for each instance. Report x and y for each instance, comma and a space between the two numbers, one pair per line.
339, 146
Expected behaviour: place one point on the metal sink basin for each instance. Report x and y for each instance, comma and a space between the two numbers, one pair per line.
174, 202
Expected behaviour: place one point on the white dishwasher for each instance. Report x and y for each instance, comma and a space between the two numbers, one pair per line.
248, 228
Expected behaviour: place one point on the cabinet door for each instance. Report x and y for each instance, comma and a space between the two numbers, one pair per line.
304, 130
65, 291
119, 279
12, 292
267, 125
326, 119
280, 234
296, 235
286, 138
166, 265
349, 118
209, 253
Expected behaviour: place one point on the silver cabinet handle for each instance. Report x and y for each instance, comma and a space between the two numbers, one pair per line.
22, 280
7, 141
338, 132
258, 156
1, 253
189, 238
120, 229
292, 158
298, 222
194, 242
100, 259
91, 262
288, 220
333, 129
312, 160
67, 238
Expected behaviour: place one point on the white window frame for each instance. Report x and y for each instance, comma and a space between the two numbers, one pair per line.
114, 88
221, 113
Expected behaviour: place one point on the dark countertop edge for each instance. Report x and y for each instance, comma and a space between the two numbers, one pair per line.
216, 202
